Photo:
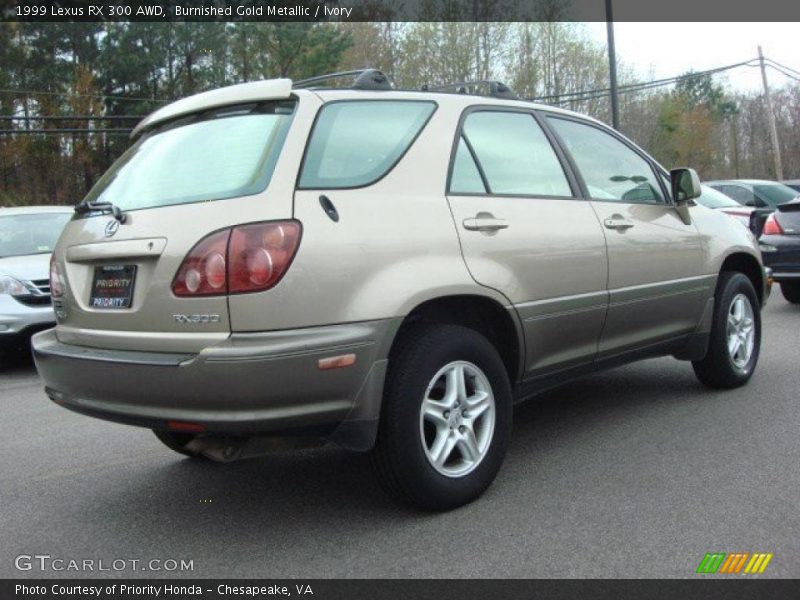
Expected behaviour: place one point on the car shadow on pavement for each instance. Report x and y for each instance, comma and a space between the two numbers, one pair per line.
331, 483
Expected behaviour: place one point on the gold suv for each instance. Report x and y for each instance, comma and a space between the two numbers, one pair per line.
273, 264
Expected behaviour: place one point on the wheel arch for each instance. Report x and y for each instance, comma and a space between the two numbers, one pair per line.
500, 325
748, 265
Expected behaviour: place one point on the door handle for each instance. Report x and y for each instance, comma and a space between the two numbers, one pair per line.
485, 222
618, 222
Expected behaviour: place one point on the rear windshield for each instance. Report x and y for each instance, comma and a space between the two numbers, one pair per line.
34, 233
223, 154
355, 143
775, 193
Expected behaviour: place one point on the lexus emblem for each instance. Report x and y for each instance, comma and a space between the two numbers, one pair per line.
111, 227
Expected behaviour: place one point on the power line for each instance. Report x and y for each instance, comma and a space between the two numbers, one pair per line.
75, 95
649, 84
603, 93
72, 118
112, 131
554, 99
796, 78
775, 62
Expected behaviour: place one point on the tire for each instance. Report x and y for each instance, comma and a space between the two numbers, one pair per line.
177, 442
425, 364
791, 291
719, 369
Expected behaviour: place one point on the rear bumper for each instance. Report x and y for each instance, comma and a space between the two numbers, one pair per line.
783, 258
260, 383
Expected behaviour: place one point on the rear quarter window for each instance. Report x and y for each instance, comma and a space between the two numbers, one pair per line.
355, 143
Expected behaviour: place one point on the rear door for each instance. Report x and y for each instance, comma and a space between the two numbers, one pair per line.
524, 233
657, 288
199, 175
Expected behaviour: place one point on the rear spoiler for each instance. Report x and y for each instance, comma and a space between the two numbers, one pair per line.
270, 89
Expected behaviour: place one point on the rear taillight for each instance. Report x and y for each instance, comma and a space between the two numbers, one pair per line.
247, 258
202, 272
260, 254
56, 281
772, 227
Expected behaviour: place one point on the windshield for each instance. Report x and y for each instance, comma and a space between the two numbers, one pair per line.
227, 153
34, 233
775, 193
711, 198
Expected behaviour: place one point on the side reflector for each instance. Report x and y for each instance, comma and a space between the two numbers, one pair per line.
336, 362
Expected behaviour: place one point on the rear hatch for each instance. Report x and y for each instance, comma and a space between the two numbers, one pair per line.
188, 177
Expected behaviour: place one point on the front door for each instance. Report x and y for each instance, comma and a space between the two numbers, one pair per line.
657, 290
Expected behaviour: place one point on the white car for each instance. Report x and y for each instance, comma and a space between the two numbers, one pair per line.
27, 237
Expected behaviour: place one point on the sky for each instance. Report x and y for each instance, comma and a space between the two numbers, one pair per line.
658, 50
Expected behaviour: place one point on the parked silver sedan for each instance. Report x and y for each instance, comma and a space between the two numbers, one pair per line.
711, 198
27, 237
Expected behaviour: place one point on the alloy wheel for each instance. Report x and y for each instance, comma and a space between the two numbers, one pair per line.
741, 331
457, 419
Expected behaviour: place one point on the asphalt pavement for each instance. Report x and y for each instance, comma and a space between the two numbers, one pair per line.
637, 472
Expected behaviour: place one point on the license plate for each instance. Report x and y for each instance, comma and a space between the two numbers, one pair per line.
112, 286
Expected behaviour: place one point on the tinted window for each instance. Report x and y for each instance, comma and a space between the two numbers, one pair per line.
356, 143
742, 195
611, 169
35, 233
775, 193
229, 153
466, 178
715, 199
515, 154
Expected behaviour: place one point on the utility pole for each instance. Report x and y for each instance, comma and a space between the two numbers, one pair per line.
735, 132
612, 65
773, 128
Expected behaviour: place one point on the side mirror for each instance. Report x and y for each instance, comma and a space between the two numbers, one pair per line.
685, 185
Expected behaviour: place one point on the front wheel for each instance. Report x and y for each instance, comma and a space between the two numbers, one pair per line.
791, 291
446, 418
735, 334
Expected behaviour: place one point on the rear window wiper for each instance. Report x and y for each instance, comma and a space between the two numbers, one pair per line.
83, 207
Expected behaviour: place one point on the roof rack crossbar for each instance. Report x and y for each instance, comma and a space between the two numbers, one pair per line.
365, 79
327, 77
496, 88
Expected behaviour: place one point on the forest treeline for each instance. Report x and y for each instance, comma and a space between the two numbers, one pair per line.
115, 71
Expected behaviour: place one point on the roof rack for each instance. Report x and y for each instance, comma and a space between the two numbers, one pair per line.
496, 88
365, 79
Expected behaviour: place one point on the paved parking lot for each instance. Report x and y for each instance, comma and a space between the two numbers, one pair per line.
633, 473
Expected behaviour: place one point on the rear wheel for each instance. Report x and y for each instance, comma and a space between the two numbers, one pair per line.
791, 291
735, 334
177, 442
446, 418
